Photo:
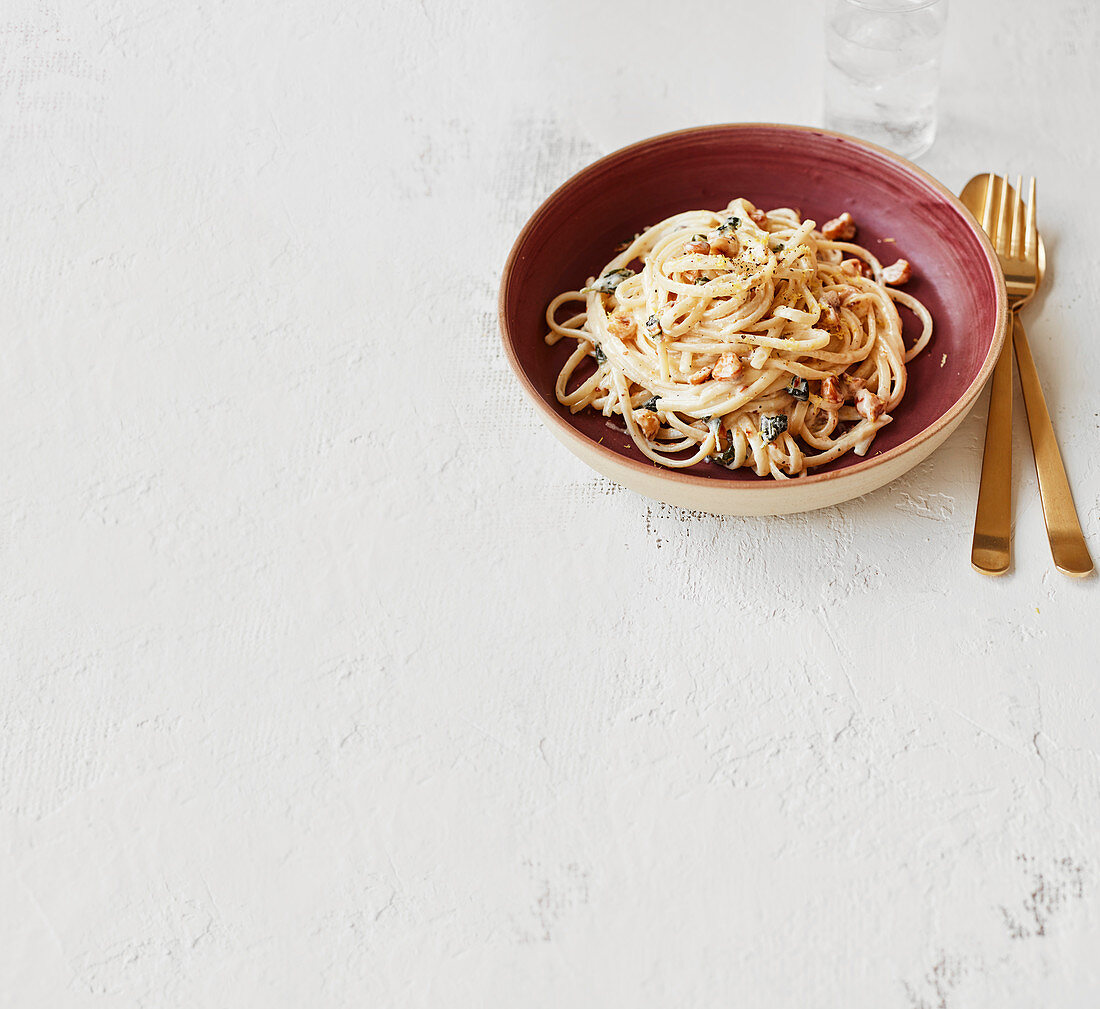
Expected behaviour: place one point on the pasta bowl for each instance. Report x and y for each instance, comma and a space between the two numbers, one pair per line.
901, 212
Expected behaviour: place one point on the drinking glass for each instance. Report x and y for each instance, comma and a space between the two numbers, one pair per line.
882, 76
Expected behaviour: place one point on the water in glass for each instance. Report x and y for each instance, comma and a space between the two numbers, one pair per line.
882, 77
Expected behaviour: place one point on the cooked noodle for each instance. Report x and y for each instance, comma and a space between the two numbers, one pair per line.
745, 339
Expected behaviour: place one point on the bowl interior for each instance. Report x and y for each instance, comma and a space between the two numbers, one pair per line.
900, 213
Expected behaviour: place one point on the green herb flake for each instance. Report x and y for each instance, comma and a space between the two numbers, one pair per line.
728, 228
728, 455
612, 279
771, 427
799, 388
725, 455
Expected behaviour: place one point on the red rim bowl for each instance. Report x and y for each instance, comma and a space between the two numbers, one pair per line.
902, 212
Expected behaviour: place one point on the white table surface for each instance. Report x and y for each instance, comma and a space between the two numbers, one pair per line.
331, 679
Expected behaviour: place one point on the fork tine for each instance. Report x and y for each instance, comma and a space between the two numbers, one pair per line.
987, 208
1016, 246
1031, 250
1002, 220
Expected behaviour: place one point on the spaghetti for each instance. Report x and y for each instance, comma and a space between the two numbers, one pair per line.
743, 339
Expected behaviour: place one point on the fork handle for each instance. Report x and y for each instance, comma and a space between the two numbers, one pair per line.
989, 552
1067, 543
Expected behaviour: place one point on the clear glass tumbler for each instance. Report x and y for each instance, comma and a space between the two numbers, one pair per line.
882, 78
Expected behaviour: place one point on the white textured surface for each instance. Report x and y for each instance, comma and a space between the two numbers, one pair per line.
330, 679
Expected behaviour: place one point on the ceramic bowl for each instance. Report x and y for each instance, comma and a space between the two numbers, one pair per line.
901, 212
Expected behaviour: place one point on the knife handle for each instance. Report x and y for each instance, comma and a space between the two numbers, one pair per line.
1067, 542
990, 550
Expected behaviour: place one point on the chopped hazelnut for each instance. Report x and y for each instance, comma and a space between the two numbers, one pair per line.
830, 390
869, 405
840, 228
897, 273
622, 325
728, 366
648, 421
856, 267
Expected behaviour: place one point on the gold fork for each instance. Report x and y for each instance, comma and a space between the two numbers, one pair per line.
1021, 254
